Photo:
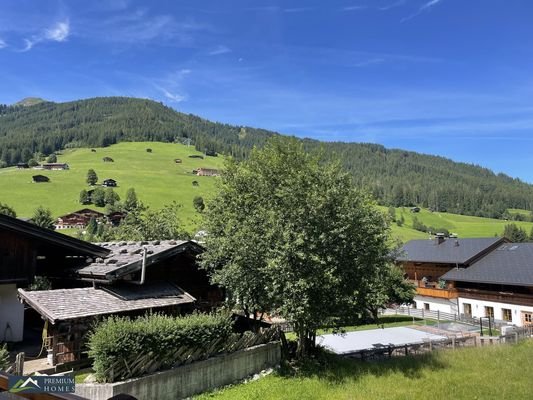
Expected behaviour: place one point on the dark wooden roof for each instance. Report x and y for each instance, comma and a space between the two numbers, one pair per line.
450, 251
68, 304
126, 257
39, 234
509, 264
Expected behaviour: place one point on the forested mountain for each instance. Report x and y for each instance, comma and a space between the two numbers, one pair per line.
395, 177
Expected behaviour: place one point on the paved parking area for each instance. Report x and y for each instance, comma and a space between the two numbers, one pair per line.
365, 340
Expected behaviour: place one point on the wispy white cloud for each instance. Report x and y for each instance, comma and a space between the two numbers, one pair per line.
424, 7
297, 9
368, 62
392, 5
353, 8
140, 26
3, 44
58, 32
173, 97
220, 49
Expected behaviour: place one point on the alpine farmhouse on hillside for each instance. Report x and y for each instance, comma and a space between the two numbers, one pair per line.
481, 277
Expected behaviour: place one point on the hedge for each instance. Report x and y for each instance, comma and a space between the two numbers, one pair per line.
118, 338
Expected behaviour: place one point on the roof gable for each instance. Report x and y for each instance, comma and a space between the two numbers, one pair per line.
126, 257
449, 251
48, 236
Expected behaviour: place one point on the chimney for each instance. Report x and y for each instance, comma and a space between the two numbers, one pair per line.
439, 238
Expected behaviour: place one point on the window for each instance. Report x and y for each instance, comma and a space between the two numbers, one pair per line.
527, 318
507, 314
426, 306
489, 312
467, 309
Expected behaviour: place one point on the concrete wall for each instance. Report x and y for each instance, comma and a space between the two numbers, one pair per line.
478, 309
435, 304
11, 314
190, 379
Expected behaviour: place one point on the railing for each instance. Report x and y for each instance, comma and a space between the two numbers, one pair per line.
440, 293
444, 316
501, 297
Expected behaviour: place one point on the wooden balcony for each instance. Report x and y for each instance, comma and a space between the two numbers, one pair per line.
499, 297
439, 293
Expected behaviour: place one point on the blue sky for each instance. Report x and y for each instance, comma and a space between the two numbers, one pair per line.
446, 77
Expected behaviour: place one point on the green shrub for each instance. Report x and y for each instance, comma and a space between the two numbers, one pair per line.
118, 338
4, 357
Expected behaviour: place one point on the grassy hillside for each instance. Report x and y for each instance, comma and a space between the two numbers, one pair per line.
463, 225
157, 179
395, 177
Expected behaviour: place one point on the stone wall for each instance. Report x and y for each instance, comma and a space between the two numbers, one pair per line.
190, 379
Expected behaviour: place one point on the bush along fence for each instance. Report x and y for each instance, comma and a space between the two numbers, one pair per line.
122, 348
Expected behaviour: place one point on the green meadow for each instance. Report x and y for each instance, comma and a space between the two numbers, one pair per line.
463, 225
158, 180
496, 372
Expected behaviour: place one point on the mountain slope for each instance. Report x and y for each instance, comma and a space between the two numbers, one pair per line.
395, 177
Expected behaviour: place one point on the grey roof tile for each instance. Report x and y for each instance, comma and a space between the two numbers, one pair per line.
67, 304
451, 251
509, 264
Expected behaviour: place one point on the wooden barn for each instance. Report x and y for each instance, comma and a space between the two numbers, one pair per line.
22, 165
132, 279
55, 166
40, 178
109, 183
27, 250
207, 172
78, 219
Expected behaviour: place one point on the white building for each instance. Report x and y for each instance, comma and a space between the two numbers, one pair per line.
485, 277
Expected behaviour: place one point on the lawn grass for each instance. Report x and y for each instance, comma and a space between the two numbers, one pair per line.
495, 372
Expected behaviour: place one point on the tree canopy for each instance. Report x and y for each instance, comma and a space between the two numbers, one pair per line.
288, 233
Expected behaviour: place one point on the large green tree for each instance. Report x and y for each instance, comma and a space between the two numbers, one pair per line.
92, 178
43, 217
290, 234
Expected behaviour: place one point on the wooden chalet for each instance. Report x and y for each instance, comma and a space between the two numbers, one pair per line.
109, 183
23, 165
40, 179
78, 219
27, 250
132, 279
481, 277
55, 166
207, 172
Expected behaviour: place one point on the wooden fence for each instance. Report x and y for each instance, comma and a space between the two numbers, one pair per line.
137, 365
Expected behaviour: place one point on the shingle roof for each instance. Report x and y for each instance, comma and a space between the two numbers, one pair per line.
48, 236
451, 251
66, 304
509, 264
126, 257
